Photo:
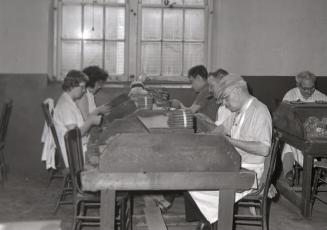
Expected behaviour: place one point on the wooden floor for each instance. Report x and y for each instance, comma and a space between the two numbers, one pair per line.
28, 199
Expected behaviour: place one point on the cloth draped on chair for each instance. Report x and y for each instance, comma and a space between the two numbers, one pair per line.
49, 146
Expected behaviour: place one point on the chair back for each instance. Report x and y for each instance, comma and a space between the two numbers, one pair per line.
74, 149
4, 119
48, 115
269, 164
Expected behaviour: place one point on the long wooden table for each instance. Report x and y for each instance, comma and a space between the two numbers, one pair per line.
174, 161
311, 149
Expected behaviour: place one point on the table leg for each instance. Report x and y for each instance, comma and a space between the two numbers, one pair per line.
107, 210
306, 185
226, 209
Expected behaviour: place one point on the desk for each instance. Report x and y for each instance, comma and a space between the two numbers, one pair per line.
293, 120
310, 149
168, 162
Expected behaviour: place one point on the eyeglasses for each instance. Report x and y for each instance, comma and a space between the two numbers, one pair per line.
227, 94
307, 89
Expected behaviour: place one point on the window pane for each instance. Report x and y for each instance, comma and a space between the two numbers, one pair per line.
151, 1
194, 25
173, 24
93, 22
115, 23
194, 2
151, 58
92, 53
114, 57
72, 22
71, 56
193, 55
151, 24
172, 59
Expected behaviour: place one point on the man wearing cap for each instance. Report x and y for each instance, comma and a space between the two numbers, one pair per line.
248, 129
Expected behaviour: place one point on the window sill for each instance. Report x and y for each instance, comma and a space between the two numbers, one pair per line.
151, 83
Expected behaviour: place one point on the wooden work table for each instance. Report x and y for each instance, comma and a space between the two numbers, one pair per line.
311, 149
138, 160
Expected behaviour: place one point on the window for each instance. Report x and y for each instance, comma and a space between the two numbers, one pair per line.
91, 33
159, 38
175, 40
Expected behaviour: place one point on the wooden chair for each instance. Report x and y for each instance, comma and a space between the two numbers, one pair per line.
320, 173
60, 172
4, 122
83, 200
259, 198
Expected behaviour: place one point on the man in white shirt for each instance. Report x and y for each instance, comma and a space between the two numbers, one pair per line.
66, 113
86, 103
248, 129
304, 92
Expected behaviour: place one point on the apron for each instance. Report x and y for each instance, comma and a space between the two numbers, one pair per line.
208, 201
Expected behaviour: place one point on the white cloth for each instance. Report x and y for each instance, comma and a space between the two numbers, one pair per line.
66, 113
294, 95
91, 101
49, 146
222, 114
254, 125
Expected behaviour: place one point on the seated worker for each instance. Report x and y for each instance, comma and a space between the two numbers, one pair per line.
204, 101
304, 92
213, 78
66, 113
248, 129
86, 103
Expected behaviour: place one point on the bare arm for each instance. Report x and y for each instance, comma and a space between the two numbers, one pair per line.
253, 147
88, 123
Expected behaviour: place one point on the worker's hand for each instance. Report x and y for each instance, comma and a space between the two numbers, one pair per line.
95, 119
174, 103
103, 109
219, 130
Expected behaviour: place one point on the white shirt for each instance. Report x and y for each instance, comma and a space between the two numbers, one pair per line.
222, 114
91, 101
294, 95
66, 114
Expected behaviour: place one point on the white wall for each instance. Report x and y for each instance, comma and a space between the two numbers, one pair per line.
270, 37
24, 33
250, 37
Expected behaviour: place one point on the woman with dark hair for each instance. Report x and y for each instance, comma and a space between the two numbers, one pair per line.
66, 113
86, 103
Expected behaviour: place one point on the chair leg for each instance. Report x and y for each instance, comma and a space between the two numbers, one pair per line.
66, 189
130, 213
264, 213
3, 167
77, 212
315, 186
52, 172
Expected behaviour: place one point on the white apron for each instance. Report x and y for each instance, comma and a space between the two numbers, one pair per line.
208, 201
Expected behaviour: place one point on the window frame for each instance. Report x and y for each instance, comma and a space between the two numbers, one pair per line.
59, 38
133, 36
207, 34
